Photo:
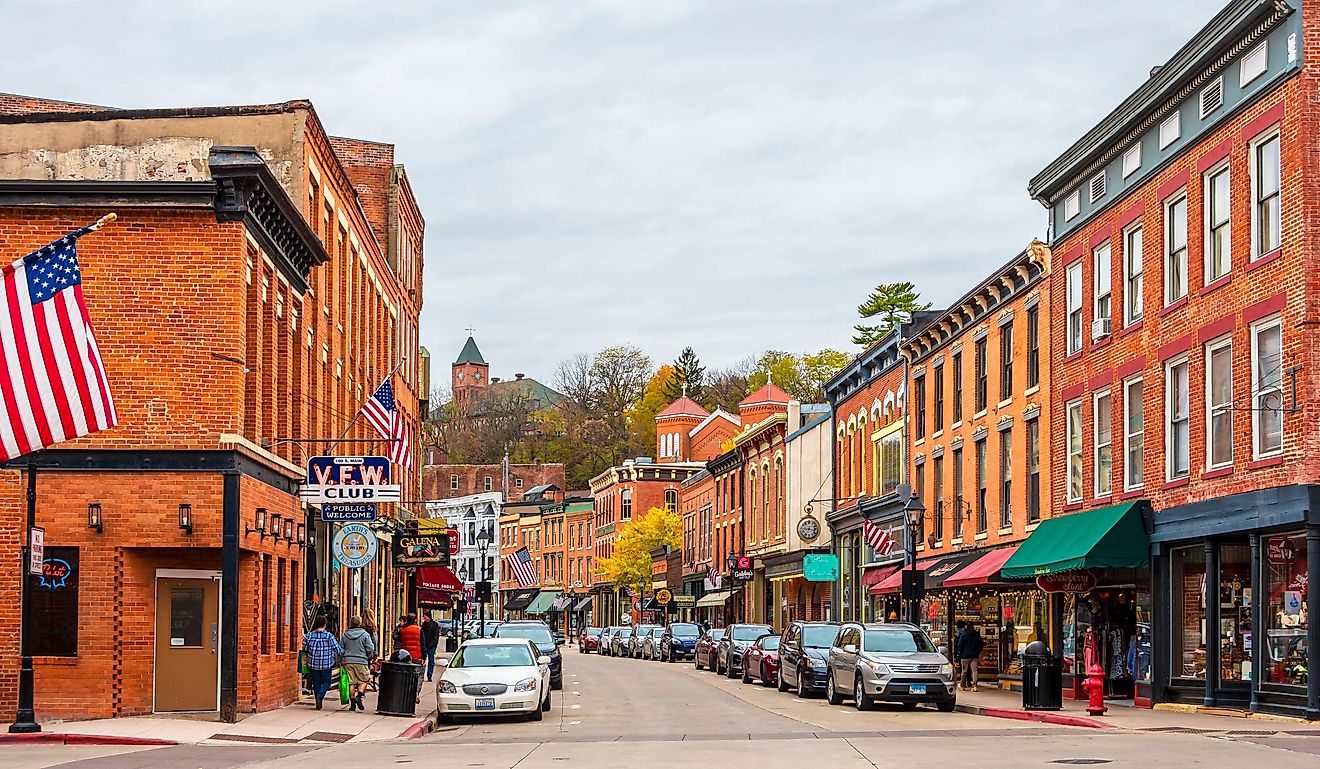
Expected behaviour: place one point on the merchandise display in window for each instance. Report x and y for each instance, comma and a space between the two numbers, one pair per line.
1285, 610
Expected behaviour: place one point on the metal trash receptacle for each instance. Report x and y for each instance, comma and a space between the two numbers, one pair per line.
1042, 678
398, 688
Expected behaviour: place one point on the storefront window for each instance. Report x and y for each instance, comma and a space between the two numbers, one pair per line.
1139, 654
935, 621
1189, 612
1235, 612
1285, 617
1069, 640
982, 611
1025, 619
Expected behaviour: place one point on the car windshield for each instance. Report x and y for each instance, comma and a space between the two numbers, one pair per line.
625, 633
896, 641
716, 634
684, 630
593, 631
749, 632
538, 633
819, 637
657, 632
769, 643
493, 656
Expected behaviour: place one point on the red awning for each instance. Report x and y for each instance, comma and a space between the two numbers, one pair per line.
435, 598
894, 581
984, 569
438, 579
872, 575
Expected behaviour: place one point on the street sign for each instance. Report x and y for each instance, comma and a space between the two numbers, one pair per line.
685, 601
36, 549
455, 544
348, 480
421, 550
663, 596
354, 545
348, 513
820, 567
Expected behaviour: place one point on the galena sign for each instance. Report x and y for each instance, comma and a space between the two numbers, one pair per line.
359, 480
421, 549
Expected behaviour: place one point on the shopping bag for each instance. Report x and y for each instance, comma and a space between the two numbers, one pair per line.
343, 686
302, 662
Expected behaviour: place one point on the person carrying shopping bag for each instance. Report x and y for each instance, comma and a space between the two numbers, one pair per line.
359, 649
323, 651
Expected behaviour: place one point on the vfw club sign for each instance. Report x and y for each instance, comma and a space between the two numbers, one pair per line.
348, 480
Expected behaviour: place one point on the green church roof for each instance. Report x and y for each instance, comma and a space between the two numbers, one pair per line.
470, 353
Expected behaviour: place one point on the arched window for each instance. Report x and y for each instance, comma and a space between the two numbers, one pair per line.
671, 500
751, 498
778, 528
765, 500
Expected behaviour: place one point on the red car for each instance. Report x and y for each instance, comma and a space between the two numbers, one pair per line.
588, 640
761, 661
703, 656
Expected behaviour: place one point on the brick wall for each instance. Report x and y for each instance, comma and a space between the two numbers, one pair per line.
17, 104
438, 480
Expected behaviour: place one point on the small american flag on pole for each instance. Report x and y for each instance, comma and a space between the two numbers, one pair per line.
53, 385
520, 563
877, 538
382, 412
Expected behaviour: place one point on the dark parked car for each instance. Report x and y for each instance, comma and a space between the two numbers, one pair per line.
679, 641
729, 652
589, 640
761, 661
703, 654
619, 642
539, 634
803, 650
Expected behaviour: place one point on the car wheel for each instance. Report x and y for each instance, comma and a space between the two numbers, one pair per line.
802, 692
946, 707
831, 693
779, 681
536, 715
765, 677
545, 706
557, 685
861, 699
729, 669
747, 673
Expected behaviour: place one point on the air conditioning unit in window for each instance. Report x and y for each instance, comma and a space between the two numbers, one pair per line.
1099, 328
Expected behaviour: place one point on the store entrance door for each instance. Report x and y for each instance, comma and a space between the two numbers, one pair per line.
187, 674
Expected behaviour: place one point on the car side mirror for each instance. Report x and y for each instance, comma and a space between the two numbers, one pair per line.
441, 662
559, 642
543, 660
849, 649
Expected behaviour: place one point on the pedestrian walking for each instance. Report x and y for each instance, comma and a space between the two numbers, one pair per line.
970, 646
359, 649
958, 628
323, 650
369, 625
410, 640
430, 642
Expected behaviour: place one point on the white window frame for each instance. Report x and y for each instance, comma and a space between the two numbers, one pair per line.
1072, 205
1211, 408
1073, 280
1132, 160
1262, 139
1258, 394
1130, 435
1208, 223
1075, 449
1259, 58
1102, 303
1170, 420
453, 481
1172, 123
1169, 203
1133, 299
1102, 439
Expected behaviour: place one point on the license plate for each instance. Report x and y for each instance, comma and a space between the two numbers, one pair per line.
913, 689
487, 703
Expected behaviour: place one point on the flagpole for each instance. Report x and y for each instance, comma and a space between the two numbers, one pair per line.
353, 421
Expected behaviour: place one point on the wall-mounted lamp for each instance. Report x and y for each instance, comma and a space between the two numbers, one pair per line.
275, 530
94, 518
260, 528
288, 529
185, 517
302, 535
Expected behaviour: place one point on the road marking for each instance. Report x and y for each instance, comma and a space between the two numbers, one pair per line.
574, 723
575, 707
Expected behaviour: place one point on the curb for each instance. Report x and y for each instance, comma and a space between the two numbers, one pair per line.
56, 738
419, 729
1034, 715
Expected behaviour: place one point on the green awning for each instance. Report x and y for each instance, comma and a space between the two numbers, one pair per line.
544, 601
1106, 538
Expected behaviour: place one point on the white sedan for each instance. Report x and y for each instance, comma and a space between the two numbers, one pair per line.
494, 677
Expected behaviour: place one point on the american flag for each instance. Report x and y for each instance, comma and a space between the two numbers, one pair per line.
53, 386
382, 412
713, 575
877, 538
520, 563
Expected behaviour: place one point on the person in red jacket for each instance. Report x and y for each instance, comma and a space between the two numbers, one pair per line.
410, 640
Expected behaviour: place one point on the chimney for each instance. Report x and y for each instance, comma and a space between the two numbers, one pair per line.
1155, 70
519, 376
494, 380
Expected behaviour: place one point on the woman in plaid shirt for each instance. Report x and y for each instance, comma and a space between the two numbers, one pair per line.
323, 651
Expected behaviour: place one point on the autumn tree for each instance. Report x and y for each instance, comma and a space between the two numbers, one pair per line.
802, 377
630, 564
891, 304
655, 397
725, 388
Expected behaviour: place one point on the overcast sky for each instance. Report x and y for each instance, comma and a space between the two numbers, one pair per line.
729, 175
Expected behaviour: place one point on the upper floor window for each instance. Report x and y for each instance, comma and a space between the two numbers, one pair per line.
1134, 434
1175, 248
1170, 129
937, 408
1005, 479
890, 461
957, 387
1033, 346
1132, 160
1103, 281
1006, 361
625, 505
1104, 443
518, 483
1133, 284
453, 482
1266, 216
1072, 205
1218, 245
981, 375
1074, 280
957, 493
1254, 64
1033, 470
1219, 403
937, 523
919, 394
1177, 409
1267, 387
1074, 427
489, 483
981, 523
671, 500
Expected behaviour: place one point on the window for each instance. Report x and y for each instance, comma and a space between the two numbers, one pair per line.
1074, 279
52, 630
453, 482
1096, 187
919, 489
1075, 451
1218, 243
1033, 471
1254, 64
1170, 129
671, 500
957, 387
1219, 403
980, 487
939, 497
1104, 444
1132, 160
889, 452
1178, 415
1103, 281
1134, 434
957, 493
1033, 346
1175, 248
1266, 220
1212, 96
919, 393
1072, 205
1132, 280
981, 375
1006, 361
1267, 387
488, 483
625, 506
937, 409
518, 483
1005, 479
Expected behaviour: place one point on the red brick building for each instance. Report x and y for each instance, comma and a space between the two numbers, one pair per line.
686, 432
245, 308
441, 481
1185, 369
760, 449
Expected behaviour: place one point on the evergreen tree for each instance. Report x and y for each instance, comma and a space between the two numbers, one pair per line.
691, 376
892, 304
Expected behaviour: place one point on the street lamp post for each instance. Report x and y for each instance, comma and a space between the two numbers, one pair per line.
913, 512
483, 586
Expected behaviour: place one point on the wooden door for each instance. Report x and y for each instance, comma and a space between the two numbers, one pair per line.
187, 644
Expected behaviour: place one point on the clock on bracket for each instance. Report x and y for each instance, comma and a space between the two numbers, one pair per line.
808, 529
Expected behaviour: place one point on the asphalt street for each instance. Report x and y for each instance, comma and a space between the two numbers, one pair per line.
619, 712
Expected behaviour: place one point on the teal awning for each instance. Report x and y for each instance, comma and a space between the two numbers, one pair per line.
1105, 538
543, 602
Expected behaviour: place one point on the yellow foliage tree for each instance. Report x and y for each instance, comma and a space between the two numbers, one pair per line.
630, 566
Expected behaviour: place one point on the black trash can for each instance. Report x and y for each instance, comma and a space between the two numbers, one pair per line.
451, 644
398, 688
1042, 678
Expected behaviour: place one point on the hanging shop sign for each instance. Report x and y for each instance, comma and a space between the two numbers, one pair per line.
348, 480
455, 544
1081, 581
354, 545
348, 513
743, 575
685, 601
663, 596
820, 567
421, 549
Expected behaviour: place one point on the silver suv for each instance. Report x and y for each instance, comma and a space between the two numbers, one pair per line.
888, 663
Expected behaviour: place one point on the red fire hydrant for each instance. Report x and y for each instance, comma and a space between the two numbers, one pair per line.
1094, 685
